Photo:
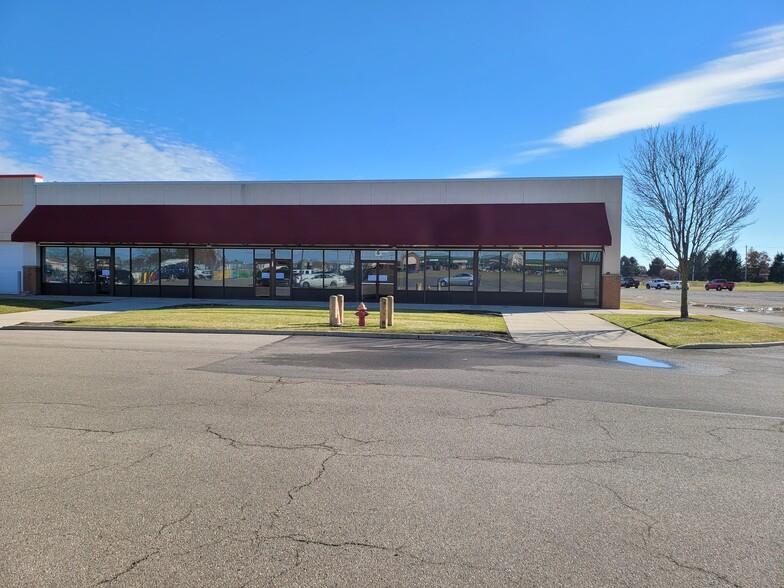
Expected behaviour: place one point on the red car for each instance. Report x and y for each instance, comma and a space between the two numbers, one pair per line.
719, 284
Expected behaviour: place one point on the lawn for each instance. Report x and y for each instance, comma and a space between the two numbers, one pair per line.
273, 319
635, 306
746, 286
8, 305
672, 331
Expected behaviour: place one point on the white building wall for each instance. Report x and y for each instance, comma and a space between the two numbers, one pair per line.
19, 195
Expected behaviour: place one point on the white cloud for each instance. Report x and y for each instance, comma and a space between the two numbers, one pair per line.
748, 75
71, 142
480, 173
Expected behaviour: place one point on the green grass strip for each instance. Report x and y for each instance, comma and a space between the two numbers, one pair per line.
272, 319
8, 305
673, 331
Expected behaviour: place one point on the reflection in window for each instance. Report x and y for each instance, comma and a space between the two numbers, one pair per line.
175, 267
145, 266
208, 267
283, 254
512, 269
56, 265
103, 251
415, 270
378, 255
437, 270
489, 271
338, 269
307, 270
239, 268
556, 272
534, 271
81, 262
591, 256
122, 266
461, 271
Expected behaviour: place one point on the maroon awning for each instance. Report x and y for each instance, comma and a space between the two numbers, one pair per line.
438, 225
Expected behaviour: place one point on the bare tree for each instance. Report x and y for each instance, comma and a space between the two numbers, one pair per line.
684, 203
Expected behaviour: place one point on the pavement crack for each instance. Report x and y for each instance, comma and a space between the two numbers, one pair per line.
702, 570
495, 412
175, 521
595, 421
646, 520
357, 440
636, 453
516, 461
237, 444
300, 487
129, 568
84, 430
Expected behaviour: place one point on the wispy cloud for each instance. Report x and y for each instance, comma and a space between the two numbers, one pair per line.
754, 72
66, 140
480, 173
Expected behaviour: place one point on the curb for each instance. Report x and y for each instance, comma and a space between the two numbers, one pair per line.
728, 345
424, 336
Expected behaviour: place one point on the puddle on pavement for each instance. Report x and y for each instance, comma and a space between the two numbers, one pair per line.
630, 359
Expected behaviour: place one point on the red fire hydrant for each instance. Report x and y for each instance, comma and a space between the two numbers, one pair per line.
362, 313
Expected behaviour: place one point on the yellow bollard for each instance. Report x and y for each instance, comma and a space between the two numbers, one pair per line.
341, 308
390, 310
382, 312
333, 311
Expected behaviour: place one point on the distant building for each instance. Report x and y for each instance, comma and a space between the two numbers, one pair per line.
539, 242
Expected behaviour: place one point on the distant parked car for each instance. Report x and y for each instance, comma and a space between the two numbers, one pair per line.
321, 280
678, 285
630, 283
720, 284
464, 279
658, 283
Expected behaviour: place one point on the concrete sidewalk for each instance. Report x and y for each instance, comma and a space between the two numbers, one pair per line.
572, 328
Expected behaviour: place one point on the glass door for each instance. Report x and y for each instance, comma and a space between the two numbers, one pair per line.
589, 285
103, 276
282, 279
378, 279
262, 278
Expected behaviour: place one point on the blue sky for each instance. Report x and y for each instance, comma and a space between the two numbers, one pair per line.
374, 90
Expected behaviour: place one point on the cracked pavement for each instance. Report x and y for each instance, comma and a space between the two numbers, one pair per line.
135, 459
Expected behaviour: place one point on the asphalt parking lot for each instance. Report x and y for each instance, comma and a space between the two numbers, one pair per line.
700, 297
144, 459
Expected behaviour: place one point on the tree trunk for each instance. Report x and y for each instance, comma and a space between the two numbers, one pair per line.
684, 269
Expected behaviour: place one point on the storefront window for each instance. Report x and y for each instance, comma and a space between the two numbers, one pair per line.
56, 265
556, 272
461, 271
512, 271
437, 270
534, 271
175, 267
378, 255
239, 268
81, 263
489, 271
591, 256
338, 269
145, 266
415, 270
401, 270
208, 267
122, 266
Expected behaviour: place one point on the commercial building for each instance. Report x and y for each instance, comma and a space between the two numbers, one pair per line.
540, 242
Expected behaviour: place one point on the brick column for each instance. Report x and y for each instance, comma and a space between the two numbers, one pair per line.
31, 279
611, 291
